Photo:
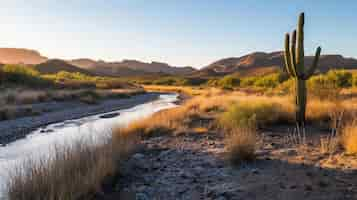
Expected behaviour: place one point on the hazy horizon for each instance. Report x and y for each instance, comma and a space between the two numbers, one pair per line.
180, 33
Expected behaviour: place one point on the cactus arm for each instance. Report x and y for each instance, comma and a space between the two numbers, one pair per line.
287, 56
300, 46
313, 67
293, 55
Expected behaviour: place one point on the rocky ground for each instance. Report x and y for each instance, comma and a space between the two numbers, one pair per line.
192, 166
11, 130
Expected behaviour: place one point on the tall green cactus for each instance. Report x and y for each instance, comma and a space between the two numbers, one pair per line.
294, 63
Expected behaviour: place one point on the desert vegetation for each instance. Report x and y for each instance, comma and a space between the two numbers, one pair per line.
289, 133
74, 171
240, 119
23, 86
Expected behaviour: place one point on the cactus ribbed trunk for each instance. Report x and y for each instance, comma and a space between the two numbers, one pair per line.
300, 101
295, 66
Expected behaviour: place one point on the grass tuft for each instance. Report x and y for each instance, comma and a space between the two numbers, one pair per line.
72, 172
241, 143
349, 138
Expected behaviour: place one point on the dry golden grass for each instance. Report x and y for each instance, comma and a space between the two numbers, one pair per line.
241, 144
72, 172
349, 138
17, 102
81, 169
21, 96
192, 91
329, 144
180, 118
264, 110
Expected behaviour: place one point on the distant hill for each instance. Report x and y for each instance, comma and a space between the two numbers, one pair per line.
20, 56
101, 68
130, 67
260, 63
53, 66
257, 63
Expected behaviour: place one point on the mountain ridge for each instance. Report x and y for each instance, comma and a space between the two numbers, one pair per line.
261, 60
256, 63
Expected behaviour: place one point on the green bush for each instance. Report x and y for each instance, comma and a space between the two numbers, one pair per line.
24, 75
340, 78
267, 81
229, 82
240, 114
194, 81
169, 81
248, 81
354, 82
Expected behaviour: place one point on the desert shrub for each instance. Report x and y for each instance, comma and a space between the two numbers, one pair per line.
349, 138
169, 81
267, 81
239, 114
323, 88
242, 142
76, 80
110, 84
340, 78
286, 87
328, 86
213, 82
354, 80
229, 82
89, 97
193, 81
248, 81
270, 81
23, 75
74, 84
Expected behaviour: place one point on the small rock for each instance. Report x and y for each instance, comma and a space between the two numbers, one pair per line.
184, 174
198, 170
308, 187
46, 131
309, 174
323, 183
141, 188
138, 156
293, 186
282, 185
221, 198
110, 115
141, 196
255, 171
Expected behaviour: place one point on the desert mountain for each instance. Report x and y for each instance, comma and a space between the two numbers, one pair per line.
260, 62
130, 67
20, 56
53, 66
123, 68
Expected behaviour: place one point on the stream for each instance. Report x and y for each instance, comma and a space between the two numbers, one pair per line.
41, 141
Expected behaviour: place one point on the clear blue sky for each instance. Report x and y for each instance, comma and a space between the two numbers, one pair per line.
178, 32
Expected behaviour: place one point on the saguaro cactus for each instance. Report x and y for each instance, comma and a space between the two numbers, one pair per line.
294, 63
